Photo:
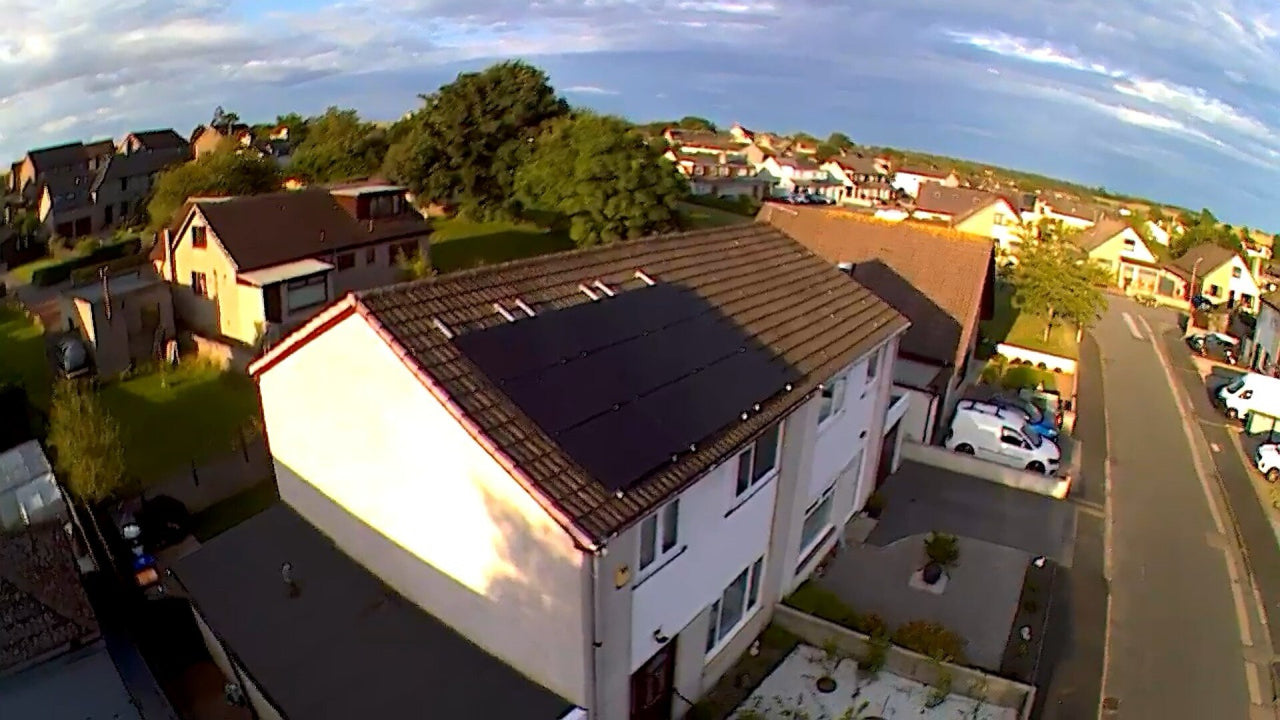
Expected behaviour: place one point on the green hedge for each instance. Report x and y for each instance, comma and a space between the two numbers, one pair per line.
58, 272
739, 205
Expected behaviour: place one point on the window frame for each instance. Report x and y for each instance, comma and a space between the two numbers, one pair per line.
371, 255
825, 500
200, 283
720, 635
873, 364
344, 260
833, 407
753, 478
299, 283
659, 538
199, 236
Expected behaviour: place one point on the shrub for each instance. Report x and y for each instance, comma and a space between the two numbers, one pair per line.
1022, 376
816, 601
873, 625
942, 549
872, 661
931, 639
991, 374
58, 272
86, 246
741, 205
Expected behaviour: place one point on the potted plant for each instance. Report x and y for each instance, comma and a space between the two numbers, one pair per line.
943, 552
875, 505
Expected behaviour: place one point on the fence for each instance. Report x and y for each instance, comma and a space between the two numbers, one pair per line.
199, 486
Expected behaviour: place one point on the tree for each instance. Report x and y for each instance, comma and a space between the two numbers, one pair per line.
223, 119
339, 146
297, 126
693, 122
840, 140
827, 150
86, 441
1055, 281
464, 145
1203, 228
603, 177
224, 172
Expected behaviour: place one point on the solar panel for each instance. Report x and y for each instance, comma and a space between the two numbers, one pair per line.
622, 384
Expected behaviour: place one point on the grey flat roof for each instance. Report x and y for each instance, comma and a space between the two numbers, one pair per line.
82, 685
119, 284
346, 645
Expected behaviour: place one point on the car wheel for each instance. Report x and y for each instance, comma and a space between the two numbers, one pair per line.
1035, 466
964, 448
1273, 475
1232, 414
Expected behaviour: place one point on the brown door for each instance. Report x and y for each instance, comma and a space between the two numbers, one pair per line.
888, 445
653, 685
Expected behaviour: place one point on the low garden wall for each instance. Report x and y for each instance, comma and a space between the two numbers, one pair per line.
967, 682
1055, 363
1000, 474
225, 355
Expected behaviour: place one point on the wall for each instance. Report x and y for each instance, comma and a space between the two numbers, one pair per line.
367, 454
1035, 357
999, 474
1267, 335
1110, 252
846, 433
992, 222
1243, 285
201, 313
233, 672
364, 275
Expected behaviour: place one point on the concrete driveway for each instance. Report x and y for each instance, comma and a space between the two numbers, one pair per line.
920, 499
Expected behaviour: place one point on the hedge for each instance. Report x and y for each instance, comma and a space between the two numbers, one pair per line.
58, 272
739, 205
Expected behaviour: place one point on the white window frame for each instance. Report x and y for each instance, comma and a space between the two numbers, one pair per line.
718, 637
748, 455
873, 365
825, 501
833, 405
663, 528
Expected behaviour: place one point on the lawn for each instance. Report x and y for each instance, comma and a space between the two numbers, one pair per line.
223, 516
22, 356
458, 244
188, 415
699, 217
1008, 325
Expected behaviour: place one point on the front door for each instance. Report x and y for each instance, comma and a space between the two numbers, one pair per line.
653, 685
887, 447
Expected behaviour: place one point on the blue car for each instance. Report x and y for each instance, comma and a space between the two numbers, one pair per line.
1044, 424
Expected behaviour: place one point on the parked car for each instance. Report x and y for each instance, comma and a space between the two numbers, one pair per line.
1043, 423
70, 358
1001, 436
1267, 459
1215, 346
1200, 302
1248, 393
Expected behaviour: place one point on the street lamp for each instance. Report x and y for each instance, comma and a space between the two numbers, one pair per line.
1191, 294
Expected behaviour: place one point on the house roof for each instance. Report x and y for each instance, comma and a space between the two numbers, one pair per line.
79, 685
1072, 207
42, 605
69, 191
934, 276
1208, 256
1096, 236
957, 202
166, 139
857, 163
56, 156
757, 322
98, 148
798, 162
717, 141
923, 171
1272, 299
344, 645
138, 163
263, 230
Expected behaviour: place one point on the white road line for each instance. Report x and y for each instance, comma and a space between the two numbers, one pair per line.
1252, 677
1107, 541
1237, 596
1133, 329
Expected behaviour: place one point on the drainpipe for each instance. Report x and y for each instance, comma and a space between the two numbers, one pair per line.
593, 693
168, 255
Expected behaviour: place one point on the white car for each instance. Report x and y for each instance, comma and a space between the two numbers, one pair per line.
1267, 460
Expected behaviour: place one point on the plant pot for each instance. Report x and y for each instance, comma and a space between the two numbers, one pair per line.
826, 684
931, 573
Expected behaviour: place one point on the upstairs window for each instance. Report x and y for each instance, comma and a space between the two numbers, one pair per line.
759, 460
345, 261
1235, 272
832, 398
199, 236
873, 365
659, 534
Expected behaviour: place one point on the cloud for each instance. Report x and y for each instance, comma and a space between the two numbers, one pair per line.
1196, 103
589, 90
1030, 50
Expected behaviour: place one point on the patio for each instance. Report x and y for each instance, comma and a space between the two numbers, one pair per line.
790, 691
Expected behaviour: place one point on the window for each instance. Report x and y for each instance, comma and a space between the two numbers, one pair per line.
199, 236
371, 256
345, 261
832, 398
659, 533
1235, 272
999, 219
124, 184
816, 521
734, 606
199, 284
873, 365
306, 292
758, 461
1009, 437
1215, 290
1130, 244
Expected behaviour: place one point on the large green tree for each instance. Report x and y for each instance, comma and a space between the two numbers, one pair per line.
464, 145
1056, 281
1203, 228
224, 172
603, 177
86, 442
339, 146
693, 122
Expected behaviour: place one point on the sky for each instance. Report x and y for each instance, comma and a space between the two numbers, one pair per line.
1173, 100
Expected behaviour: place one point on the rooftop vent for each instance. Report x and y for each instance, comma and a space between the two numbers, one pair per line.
525, 307
444, 329
603, 288
588, 291
505, 313
286, 575
640, 275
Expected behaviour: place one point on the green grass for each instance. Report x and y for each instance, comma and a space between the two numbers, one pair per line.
458, 244
699, 217
1010, 326
189, 414
22, 356
223, 516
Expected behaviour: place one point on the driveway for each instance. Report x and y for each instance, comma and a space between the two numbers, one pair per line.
920, 499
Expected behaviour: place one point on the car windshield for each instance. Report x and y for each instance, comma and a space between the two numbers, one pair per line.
1032, 435
1235, 386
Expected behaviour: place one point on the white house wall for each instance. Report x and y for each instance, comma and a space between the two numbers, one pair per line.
1245, 284
846, 432
368, 455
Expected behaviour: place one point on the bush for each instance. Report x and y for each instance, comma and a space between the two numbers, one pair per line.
741, 205
873, 625
942, 549
877, 652
1025, 376
86, 246
58, 272
931, 639
991, 374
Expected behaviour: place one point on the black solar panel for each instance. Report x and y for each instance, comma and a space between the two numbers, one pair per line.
624, 383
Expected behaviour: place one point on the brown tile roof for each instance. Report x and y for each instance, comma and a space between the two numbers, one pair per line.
264, 230
42, 605
717, 141
937, 277
1072, 207
924, 171
1096, 236
779, 298
45, 159
799, 162
1210, 257
957, 202
861, 164
165, 139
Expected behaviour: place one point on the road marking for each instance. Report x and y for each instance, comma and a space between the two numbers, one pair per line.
1108, 569
1237, 596
1252, 676
1133, 329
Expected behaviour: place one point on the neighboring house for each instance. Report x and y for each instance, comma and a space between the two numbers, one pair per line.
1266, 336
741, 134
1116, 246
865, 179
797, 174
604, 467
70, 160
152, 141
1027, 205
207, 138
123, 184
909, 179
1157, 233
688, 141
1069, 211
124, 320
973, 212
249, 268
942, 280
1218, 274
29, 494
722, 175
53, 663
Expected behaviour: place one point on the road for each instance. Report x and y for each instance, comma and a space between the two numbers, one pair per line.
1179, 632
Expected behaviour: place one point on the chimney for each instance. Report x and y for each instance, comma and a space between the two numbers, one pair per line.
171, 271
106, 290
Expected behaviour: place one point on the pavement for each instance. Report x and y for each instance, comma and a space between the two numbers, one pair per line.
1182, 641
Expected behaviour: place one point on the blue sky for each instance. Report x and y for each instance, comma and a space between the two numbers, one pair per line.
1171, 99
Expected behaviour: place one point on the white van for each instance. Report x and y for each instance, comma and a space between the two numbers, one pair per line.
1249, 393
1001, 436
